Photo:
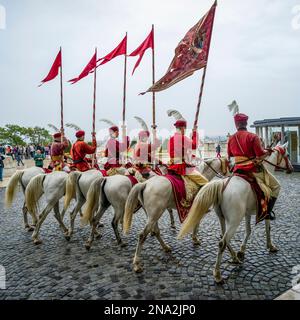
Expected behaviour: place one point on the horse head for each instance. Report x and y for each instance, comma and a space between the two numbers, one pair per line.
283, 160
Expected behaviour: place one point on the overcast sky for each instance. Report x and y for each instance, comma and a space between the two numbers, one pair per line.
254, 58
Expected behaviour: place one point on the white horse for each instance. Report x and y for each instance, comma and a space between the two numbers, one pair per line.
53, 185
156, 195
103, 193
21, 177
233, 204
78, 184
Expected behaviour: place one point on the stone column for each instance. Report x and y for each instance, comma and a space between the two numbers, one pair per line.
266, 136
282, 134
257, 130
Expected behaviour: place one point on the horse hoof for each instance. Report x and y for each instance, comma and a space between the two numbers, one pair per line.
173, 227
236, 261
137, 268
100, 225
167, 249
240, 255
218, 277
37, 241
196, 242
68, 237
123, 245
273, 249
98, 236
29, 229
152, 234
88, 246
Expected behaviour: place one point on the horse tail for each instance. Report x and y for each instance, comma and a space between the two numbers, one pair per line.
135, 196
33, 193
71, 187
209, 195
92, 200
10, 191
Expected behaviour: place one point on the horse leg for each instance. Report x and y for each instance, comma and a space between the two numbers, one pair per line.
41, 219
196, 241
235, 259
142, 237
58, 217
115, 222
165, 247
272, 248
73, 214
94, 225
25, 217
229, 233
172, 218
241, 253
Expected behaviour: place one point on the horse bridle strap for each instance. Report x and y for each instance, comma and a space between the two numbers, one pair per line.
219, 175
281, 151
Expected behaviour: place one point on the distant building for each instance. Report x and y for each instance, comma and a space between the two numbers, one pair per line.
286, 130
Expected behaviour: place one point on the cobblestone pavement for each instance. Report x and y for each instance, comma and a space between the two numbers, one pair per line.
61, 270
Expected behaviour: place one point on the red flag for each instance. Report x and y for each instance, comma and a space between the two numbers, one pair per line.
88, 69
118, 51
148, 43
54, 69
191, 54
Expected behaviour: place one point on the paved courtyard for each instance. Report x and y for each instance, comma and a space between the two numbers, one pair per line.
65, 270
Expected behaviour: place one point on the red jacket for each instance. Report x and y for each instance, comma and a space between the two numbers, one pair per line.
57, 148
244, 144
178, 148
113, 150
78, 152
145, 152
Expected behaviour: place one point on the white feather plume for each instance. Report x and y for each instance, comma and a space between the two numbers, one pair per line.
73, 126
234, 107
110, 123
53, 127
176, 114
142, 123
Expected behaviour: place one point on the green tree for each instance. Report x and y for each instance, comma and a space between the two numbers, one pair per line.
38, 135
13, 135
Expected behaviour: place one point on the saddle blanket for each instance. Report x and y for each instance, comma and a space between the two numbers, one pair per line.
179, 191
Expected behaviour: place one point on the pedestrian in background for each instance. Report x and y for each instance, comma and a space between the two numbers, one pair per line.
1, 166
218, 151
39, 159
18, 156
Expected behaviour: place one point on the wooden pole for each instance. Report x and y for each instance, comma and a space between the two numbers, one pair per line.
124, 105
61, 101
94, 108
154, 126
203, 79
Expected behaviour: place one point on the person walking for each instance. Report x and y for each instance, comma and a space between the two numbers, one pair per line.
1, 166
39, 159
18, 156
218, 151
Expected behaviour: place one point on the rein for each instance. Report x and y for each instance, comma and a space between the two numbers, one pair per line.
277, 166
218, 174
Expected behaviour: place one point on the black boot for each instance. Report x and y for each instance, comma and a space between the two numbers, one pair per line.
271, 214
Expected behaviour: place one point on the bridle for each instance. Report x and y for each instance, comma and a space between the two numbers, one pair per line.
218, 174
281, 156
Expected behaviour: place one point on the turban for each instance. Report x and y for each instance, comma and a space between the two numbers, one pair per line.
80, 134
240, 118
180, 124
57, 135
114, 129
144, 134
